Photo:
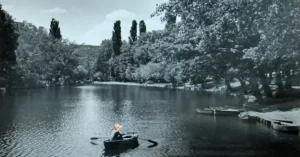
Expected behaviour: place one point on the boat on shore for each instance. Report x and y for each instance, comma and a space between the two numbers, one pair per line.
226, 111
205, 111
220, 111
128, 142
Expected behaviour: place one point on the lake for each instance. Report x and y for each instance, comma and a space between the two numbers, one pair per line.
60, 121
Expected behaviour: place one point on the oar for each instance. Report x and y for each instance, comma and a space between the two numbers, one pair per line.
93, 143
154, 143
96, 138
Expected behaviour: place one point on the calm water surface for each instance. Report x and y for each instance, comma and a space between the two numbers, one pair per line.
59, 122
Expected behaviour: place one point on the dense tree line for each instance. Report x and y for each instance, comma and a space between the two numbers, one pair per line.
253, 42
8, 45
33, 57
44, 59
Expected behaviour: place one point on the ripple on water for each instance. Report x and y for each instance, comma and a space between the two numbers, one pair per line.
61, 122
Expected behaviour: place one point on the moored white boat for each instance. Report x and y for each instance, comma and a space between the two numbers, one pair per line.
219, 111
285, 127
205, 111
226, 111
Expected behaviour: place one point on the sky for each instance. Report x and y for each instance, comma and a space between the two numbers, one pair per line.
87, 22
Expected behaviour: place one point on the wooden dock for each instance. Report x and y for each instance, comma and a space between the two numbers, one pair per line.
275, 124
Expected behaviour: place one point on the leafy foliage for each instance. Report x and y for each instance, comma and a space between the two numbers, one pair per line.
143, 28
217, 41
117, 38
43, 60
55, 30
8, 45
102, 65
222, 40
133, 31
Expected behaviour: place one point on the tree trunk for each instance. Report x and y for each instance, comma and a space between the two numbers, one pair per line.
264, 82
56, 79
294, 72
1, 69
283, 75
229, 88
243, 85
280, 89
288, 80
202, 85
255, 89
270, 78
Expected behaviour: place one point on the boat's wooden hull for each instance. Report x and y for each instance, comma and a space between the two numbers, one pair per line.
229, 113
205, 111
218, 112
225, 111
129, 142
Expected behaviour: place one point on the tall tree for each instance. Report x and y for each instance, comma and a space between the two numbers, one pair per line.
143, 28
117, 38
133, 31
130, 41
8, 45
102, 64
54, 29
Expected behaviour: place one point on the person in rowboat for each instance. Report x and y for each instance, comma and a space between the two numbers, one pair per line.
115, 134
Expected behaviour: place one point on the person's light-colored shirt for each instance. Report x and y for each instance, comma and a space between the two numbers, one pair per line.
112, 134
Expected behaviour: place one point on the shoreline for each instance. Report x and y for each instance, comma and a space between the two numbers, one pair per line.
162, 85
197, 87
3, 89
159, 85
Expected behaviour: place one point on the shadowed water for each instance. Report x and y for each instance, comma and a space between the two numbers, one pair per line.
61, 121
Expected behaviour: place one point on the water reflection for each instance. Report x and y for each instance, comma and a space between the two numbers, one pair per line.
61, 121
7, 127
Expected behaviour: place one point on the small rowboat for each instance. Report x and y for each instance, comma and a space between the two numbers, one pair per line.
219, 111
128, 142
205, 111
226, 111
